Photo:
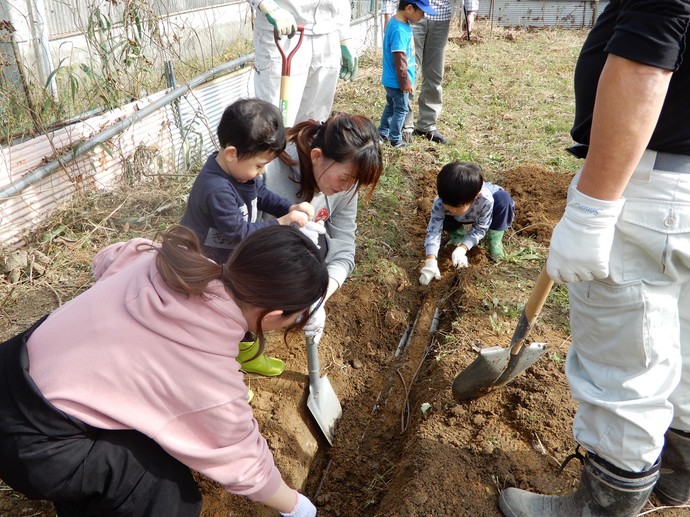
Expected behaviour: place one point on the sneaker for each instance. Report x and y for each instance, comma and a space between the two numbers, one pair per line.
432, 135
399, 144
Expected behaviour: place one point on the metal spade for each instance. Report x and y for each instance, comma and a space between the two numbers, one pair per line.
497, 366
322, 400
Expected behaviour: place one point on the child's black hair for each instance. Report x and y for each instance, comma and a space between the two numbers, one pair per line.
403, 4
252, 126
458, 183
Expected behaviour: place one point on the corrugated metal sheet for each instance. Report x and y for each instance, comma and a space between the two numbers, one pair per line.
175, 6
536, 13
152, 146
71, 17
201, 111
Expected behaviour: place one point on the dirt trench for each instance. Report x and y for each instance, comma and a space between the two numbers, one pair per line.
404, 446
392, 348
391, 351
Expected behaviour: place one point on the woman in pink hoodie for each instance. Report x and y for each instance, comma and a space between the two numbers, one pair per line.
107, 403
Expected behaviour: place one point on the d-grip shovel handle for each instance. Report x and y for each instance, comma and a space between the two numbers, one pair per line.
287, 59
531, 311
285, 72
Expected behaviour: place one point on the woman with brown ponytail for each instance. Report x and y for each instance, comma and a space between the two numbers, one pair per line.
107, 403
326, 164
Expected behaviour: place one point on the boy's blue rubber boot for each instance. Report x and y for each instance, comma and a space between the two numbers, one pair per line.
261, 364
495, 240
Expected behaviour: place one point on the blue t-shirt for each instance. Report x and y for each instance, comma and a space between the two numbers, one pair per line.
398, 38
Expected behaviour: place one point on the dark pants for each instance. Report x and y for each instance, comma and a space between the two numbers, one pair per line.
501, 218
85, 471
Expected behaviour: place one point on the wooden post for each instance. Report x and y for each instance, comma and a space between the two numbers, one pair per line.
491, 15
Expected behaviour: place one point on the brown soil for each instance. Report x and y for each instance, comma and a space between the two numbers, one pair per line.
389, 456
404, 446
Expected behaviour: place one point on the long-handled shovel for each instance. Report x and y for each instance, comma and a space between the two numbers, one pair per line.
497, 366
322, 400
285, 72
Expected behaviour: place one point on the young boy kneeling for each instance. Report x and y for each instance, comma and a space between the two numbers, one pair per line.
464, 198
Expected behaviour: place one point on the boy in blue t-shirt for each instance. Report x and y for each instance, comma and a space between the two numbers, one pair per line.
399, 67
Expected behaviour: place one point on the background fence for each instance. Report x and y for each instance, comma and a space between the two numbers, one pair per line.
543, 14
74, 77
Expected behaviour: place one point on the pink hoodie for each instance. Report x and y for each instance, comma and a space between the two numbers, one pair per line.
130, 353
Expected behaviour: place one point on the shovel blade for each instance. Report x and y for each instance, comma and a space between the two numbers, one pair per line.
518, 363
494, 367
324, 406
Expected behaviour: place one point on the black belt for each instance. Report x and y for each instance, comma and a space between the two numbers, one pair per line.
672, 163
664, 161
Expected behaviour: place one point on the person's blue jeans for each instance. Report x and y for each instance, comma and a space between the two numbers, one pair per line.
397, 105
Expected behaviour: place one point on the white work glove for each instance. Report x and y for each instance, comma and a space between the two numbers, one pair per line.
303, 508
581, 241
429, 272
459, 257
313, 328
312, 230
284, 23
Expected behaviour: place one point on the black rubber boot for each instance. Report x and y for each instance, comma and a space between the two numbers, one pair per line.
673, 487
604, 491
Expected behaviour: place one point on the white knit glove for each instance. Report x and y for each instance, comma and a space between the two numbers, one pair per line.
303, 508
459, 257
581, 241
284, 23
313, 328
429, 272
313, 230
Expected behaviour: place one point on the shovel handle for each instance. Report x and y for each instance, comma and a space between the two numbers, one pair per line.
313, 364
286, 62
531, 311
287, 58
